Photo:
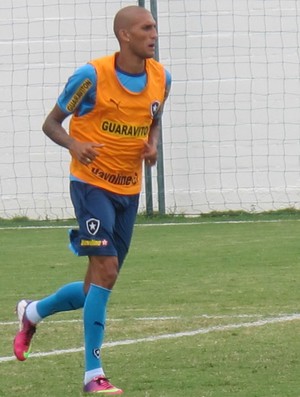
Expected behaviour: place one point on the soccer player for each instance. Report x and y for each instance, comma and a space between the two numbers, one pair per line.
116, 103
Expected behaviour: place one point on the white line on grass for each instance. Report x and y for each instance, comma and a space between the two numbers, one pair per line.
228, 327
164, 318
156, 224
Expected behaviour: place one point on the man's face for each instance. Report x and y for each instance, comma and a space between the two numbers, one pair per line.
143, 35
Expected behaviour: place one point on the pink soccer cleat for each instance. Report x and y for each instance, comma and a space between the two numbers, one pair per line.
23, 338
99, 385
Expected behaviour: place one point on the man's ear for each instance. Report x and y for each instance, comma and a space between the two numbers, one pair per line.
124, 35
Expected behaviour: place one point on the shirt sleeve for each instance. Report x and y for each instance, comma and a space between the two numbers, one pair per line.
79, 93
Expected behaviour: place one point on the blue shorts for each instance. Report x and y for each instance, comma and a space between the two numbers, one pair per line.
105, 220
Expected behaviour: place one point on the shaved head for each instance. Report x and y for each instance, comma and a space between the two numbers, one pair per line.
127, 17
136, 31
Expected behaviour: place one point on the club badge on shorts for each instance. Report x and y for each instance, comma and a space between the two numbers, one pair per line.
92, 226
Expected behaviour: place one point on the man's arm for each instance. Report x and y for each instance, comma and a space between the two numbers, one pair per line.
53, 128
150, 150
85, 152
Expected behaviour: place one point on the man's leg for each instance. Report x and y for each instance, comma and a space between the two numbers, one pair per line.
99, 215
69, 297
101, 276
94, 318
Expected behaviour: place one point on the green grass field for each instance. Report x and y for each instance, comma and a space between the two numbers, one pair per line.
203, 310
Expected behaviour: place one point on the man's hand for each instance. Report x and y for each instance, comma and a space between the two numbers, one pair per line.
149, 154
85, 152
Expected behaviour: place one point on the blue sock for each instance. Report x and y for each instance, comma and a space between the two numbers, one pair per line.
69, 297
94, 316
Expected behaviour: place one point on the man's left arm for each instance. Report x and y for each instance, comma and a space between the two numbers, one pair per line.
150, 151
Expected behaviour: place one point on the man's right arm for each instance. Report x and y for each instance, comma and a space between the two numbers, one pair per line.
85, 152
53, 128
77, 96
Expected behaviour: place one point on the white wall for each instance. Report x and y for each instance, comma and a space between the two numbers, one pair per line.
231, 124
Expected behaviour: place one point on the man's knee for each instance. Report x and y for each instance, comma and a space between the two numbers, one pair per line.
103, 270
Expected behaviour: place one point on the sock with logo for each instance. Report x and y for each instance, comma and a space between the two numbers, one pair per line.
94, 316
